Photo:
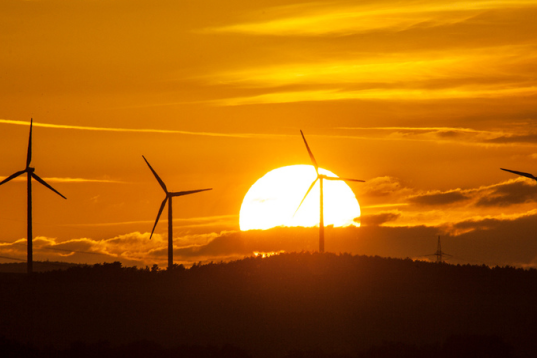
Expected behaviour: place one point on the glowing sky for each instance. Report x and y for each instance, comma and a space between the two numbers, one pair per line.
425, 100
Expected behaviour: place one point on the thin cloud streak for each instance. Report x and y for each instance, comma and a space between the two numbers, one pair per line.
426, 129
307, 96
393, 68
444, 135
127, 130
377, 94
203, 221
71, 180
384, 205
440, 134
317, 20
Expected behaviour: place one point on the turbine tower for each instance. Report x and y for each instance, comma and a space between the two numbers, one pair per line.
320, 177
30, 174
521, 173
169, 196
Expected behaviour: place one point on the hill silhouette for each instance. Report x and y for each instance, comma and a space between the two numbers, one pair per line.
288, 305
39, 266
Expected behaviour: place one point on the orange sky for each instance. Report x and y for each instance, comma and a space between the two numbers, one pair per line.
424, 101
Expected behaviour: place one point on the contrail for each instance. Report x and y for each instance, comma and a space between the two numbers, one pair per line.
71, 180
125, 130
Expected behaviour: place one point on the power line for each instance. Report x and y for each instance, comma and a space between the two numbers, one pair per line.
11, 258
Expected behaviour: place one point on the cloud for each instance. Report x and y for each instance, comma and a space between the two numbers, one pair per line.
510, 193
434, 134
441, 208
338, 94
439, 198
462, 67
521, 135
379, 219
318, 20
527, 138
504, 240
500, 240
123, 130
182, 222
131, 249
471, 69
69, 180
381, 187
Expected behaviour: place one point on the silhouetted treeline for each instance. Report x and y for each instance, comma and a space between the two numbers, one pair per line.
38, 266
285, 305
454, 347
138, 349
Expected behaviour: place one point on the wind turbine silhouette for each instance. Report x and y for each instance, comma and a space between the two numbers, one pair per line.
30, 174
169, 196
521, 173
320, 177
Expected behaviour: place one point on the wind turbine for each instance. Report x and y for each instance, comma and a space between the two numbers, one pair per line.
169, 196
320, 177
521, 173
30, 174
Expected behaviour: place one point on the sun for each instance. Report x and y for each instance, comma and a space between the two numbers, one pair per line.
274, 198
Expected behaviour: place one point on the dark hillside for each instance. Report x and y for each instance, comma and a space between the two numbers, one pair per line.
281, 305
39, 266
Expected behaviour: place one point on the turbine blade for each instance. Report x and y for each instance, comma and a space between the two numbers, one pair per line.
521, 173
156, 176
158, 216
310, 153
45, 184
29, 155
181, 193
311, 186
344, 179
13, 176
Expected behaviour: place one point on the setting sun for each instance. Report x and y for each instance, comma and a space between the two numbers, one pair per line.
273, 200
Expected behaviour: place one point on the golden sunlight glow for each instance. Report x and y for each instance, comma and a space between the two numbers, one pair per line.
394, 68
274, 198
319, 20
381, 94
267, 254
385, 78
